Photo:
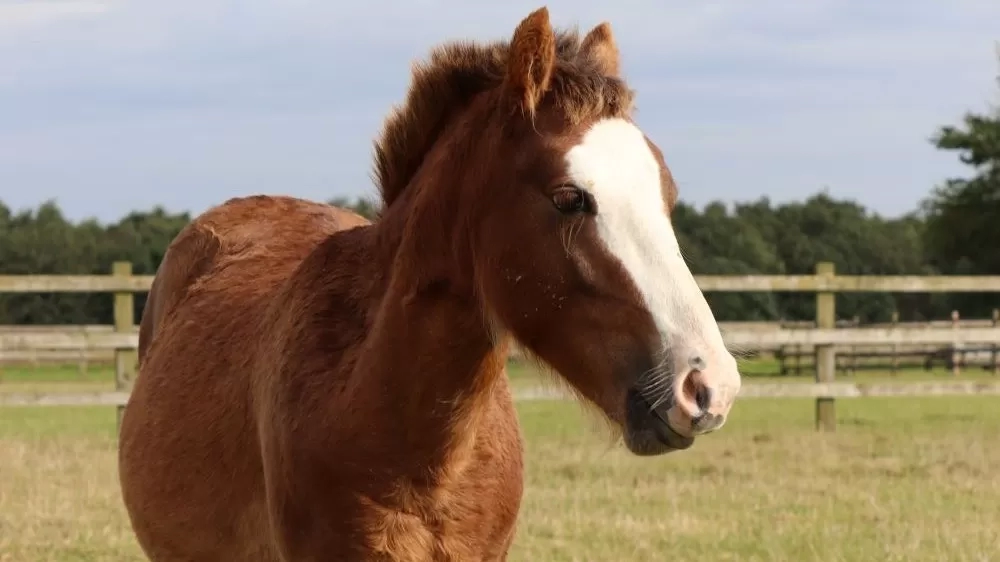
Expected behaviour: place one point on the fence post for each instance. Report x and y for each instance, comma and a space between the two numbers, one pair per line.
995, 352
125, 359
895, 348
956, 353
826, 359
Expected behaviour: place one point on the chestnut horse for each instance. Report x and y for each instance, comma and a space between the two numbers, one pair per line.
314, 387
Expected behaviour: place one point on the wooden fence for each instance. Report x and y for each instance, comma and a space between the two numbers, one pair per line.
789, 359
34, 358
824, 338
893, 357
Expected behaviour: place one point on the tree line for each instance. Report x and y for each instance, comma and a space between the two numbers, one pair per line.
954, 230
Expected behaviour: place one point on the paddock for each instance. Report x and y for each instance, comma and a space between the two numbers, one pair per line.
766, 487
907, 451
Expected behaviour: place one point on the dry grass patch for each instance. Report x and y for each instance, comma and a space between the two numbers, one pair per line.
59, 501
902, 480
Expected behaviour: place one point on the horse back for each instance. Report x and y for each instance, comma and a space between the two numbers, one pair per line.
240, 250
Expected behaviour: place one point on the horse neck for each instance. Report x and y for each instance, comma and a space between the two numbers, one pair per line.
431, 361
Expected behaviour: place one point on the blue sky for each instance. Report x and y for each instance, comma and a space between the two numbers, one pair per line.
108, 106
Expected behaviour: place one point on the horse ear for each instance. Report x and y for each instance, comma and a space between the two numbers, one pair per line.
599, 46
532, 58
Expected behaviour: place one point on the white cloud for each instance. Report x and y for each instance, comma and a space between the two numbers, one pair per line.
191, 102
22, 16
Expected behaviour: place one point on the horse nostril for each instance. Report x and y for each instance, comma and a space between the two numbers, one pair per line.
696, 392
704, 393
703, 398
695, 389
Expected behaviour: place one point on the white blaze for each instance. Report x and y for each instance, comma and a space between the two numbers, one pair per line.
619, 169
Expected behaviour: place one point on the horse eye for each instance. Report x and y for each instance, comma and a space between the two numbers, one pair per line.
569, 199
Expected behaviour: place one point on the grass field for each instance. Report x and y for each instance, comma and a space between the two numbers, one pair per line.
902, 479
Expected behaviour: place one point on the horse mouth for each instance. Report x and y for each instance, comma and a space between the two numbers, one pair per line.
642, 415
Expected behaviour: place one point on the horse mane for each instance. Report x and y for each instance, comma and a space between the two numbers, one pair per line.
455, 73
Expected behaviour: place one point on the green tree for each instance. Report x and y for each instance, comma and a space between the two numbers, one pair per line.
962, 233
756, 237
822, 228
715, 242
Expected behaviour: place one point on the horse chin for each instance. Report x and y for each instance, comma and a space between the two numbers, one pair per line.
646, 432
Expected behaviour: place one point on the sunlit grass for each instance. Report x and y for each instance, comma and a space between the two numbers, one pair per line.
902, 479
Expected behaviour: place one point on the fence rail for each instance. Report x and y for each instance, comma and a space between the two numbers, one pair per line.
100, 340
825, 336
817, 283
749, 391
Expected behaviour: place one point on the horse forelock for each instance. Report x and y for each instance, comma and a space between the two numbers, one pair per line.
457, 72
